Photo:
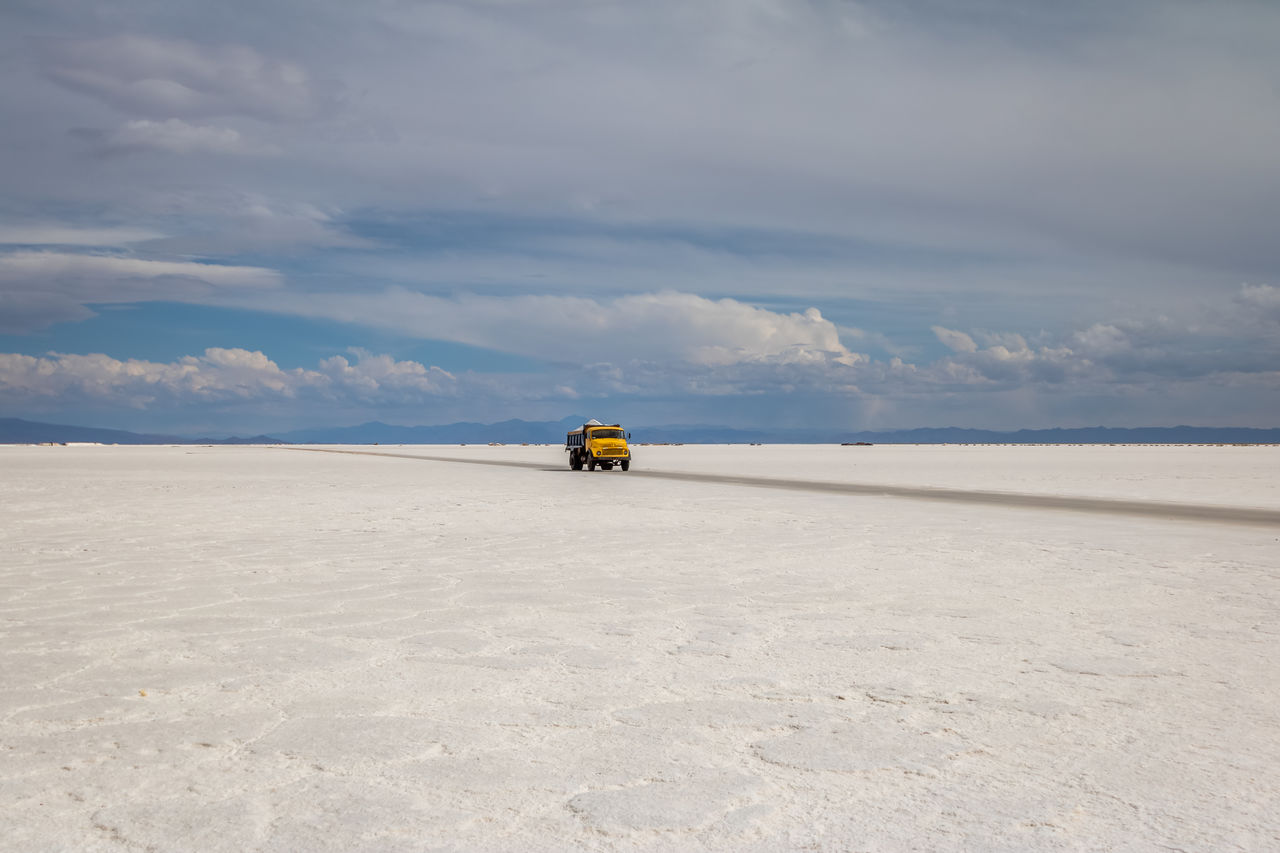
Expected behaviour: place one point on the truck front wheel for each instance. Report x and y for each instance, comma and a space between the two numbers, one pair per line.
626, 464
591, 464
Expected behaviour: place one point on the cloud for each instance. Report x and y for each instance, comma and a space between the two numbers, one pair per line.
54, 265
662, 327
1127, 352
375, 377
669, 343
217, 376
27, 310
52, 234
1021, 135
1262, 299
176, 136
165, 78
226, 223
39, 288
953, 340
1073, 140
1017, 181
775, 358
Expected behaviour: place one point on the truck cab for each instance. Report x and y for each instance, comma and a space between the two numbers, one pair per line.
598, 445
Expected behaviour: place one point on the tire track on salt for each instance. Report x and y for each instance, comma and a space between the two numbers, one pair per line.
1253, 516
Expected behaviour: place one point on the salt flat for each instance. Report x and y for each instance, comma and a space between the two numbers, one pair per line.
268, 649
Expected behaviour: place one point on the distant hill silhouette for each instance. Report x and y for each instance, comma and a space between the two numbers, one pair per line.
17, 431
507, 432
957, 435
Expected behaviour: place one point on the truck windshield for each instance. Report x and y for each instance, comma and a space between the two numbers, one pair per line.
606, 433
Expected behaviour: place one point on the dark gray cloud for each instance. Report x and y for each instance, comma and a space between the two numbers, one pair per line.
46, 286
1148, 133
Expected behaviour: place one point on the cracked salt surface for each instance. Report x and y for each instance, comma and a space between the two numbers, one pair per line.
259, 649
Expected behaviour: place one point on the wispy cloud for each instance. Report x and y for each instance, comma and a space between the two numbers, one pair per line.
166, 77
39, 288
53, 234
29, 266
176, 136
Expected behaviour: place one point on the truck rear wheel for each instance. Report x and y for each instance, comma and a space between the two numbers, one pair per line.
608, 466
575, 460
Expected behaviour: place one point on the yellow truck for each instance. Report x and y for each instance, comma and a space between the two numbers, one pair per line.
595, 443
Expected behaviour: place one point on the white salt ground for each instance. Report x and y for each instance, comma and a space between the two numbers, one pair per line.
266, 649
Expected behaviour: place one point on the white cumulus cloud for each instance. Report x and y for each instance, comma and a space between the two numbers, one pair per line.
664, 327
218, 375
953, 340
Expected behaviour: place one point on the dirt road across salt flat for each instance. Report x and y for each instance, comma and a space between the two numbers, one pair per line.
1146, 509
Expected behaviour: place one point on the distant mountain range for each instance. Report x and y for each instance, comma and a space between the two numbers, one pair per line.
17, 431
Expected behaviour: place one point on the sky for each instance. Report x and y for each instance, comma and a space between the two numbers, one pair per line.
248, 217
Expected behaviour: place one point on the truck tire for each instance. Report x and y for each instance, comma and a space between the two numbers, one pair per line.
626, 464
591, 464
608, 466
575, 460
